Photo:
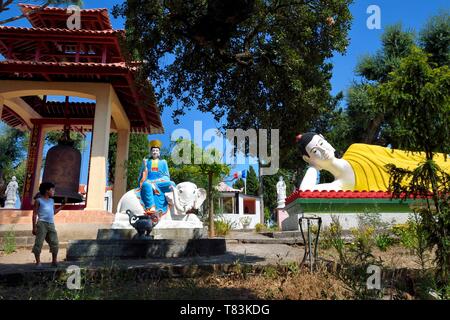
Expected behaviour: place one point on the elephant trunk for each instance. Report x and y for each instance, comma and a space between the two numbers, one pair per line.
176, 201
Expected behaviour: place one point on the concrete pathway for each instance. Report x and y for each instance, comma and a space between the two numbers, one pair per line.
22, 261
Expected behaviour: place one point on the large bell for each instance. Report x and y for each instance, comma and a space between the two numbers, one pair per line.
62, 168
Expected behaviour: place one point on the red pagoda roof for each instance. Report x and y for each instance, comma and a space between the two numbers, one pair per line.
51, 52
338, 195
53, 17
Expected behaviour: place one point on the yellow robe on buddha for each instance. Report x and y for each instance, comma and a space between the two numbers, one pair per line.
369, 161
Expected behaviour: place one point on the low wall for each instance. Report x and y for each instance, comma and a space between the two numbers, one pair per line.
347, 210
236, 219
70, 224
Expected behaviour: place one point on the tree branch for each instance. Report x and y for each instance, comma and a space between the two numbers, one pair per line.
23, 15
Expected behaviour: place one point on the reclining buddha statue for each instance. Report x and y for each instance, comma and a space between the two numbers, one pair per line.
361, 168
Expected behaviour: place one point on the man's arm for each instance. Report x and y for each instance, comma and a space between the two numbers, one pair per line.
58, 209
35, 216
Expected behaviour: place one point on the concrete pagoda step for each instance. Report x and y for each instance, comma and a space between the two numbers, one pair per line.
144, 249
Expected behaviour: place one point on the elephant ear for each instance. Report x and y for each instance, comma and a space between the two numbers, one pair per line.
201, 196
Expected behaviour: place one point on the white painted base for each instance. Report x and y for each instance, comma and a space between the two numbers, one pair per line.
347, 220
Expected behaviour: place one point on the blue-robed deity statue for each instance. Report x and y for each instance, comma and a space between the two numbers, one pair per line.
154, 182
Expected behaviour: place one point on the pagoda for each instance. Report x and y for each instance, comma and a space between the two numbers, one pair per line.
51, 59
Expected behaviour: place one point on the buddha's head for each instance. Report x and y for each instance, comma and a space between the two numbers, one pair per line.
155, 147
315, 150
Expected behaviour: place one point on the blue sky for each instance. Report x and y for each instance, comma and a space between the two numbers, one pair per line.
413, 14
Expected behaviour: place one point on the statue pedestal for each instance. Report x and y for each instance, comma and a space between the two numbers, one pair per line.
190, 227
170, 226
10, 204
143, 249
282, 215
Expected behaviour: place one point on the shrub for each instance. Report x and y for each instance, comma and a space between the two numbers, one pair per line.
260, 227
223, 227
383, 241
413, 236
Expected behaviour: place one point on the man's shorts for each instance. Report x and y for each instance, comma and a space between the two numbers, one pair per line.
45, 231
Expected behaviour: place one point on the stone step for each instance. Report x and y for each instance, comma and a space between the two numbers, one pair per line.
283, 234
142, 249
298, 241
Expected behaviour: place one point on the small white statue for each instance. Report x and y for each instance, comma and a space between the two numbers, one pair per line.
11, 194
281, 192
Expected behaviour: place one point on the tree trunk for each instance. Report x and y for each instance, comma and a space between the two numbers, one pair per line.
261, 193
210, 206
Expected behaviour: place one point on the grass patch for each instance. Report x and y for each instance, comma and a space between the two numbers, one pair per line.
9, 242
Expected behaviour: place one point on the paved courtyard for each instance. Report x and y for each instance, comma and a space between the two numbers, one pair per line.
238, 251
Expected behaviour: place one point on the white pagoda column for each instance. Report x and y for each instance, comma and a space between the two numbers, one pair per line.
99, 154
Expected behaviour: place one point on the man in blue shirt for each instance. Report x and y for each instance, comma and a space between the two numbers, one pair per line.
43, 222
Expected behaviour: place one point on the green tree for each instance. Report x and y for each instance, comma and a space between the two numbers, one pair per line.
13, 147
435, 39
53, 137
252, 182
138, 150
260, 64
367, 121
239, 184
418, 93
270, 189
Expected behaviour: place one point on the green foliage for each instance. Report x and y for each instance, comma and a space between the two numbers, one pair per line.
262, 64
365, 119
354, 258
383, 241
435, 39
13, 148
192, 170
223, 227
5, 5
252, 182
11, 143
418, 92
53, 137
270, 189
260, 227
9, 242
267, 214
332, 237
137, 151
239, 184
413, 236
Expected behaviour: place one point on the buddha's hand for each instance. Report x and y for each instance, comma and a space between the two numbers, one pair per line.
155, 190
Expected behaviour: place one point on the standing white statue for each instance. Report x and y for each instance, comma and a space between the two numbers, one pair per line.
281, 192
11, 194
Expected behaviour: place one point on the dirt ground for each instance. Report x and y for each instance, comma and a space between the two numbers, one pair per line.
394, 257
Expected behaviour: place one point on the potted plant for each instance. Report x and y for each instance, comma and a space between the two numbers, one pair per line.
245, 221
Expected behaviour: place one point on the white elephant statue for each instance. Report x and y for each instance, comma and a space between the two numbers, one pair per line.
184, 198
